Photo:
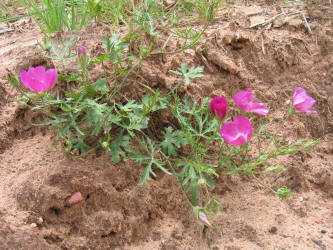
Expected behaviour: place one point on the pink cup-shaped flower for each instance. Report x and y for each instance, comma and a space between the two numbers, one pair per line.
82, 51
218, 106
237, 132
244, 100
39, 80
302, 102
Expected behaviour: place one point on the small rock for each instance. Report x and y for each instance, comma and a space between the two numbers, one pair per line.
169, 2
323, 231
176, 235
251, 10
328, 172
320, 244
279, 22
295, 22
257, 19
39, 221
33, 225
273, 230
75, 198
319, 221
316, 13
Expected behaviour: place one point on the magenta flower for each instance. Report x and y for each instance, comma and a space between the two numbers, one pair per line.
244, 99
198, 101
238, 132
39, 80
302, 102
218, 106
82, 51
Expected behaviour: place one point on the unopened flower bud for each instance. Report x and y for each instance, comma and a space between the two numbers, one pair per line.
82, 51
201, 182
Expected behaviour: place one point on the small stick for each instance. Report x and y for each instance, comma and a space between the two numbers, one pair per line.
273, 18
6, 30
326, 8
306, 23
265, 22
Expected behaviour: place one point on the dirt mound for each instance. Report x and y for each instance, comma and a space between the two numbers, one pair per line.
38, 179
114, 211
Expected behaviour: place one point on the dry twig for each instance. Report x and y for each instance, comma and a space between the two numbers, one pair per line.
6, 30
270, 20
306, 23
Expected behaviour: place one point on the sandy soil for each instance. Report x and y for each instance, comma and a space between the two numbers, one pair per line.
37, 178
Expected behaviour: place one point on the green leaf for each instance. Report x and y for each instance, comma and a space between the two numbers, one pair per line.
274, 168
147, 158
95, 114
99, 59
283, 192
100, 86
193, 72
78, 143
172, 140
146, 173
115, 48
116, 147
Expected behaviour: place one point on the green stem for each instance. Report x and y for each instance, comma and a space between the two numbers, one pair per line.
281, 125
124, 79
264, 185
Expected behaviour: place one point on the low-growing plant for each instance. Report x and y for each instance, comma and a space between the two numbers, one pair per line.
202, 144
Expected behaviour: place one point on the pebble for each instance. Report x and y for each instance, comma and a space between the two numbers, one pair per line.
33, 225
39, 221
75, 198
319, 221
328, 172
323, 231
273, 230
320, 244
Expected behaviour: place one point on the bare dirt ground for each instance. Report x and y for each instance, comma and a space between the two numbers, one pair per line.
37, 178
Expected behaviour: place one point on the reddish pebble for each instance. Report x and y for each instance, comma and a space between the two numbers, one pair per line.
75, 198
319, 221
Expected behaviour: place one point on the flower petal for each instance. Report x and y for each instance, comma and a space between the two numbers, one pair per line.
243, 99
24, 76
259, 108
37, 79
238, 132
50, 78
244, 126
299, 96
303, 102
